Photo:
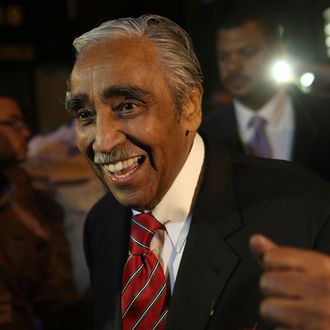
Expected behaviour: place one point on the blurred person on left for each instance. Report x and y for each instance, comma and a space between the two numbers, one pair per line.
33, 288
14, 132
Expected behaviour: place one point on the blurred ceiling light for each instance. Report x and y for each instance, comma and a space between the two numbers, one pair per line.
327, 29
282, 71
307, 79
327, 41
326, 14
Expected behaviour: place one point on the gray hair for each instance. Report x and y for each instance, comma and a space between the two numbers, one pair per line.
174, 45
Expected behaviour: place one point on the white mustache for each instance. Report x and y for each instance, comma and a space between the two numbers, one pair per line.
112, 157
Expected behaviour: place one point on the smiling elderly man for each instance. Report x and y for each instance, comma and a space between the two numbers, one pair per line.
135, 91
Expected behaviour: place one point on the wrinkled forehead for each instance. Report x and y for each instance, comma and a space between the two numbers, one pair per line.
9, 108
123, 55
126, 62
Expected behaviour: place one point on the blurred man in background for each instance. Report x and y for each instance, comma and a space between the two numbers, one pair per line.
265, 119
35, 289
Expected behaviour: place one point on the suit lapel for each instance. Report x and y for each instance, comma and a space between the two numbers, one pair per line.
305, 134
111, 249
208, 261
228, 129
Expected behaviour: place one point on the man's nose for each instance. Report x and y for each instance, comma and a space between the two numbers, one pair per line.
25, 131
230, 61
234, 64
109, 134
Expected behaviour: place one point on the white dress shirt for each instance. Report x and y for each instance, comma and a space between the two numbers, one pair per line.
174, 212
278, 113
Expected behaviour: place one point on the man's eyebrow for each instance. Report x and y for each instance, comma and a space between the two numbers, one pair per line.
131, 92
75, 102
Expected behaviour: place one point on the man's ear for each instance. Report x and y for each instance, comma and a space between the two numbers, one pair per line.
192, 108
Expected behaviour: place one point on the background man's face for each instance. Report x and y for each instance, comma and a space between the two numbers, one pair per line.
126, 121
244, 58
13, 146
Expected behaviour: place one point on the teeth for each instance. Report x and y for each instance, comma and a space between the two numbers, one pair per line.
118, 166
114, 168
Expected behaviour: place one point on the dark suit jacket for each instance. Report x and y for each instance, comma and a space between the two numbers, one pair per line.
217, 283
311, 144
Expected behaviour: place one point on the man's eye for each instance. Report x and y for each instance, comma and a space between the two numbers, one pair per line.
84, 115
128, 109
127, 106
249, 52
222, 57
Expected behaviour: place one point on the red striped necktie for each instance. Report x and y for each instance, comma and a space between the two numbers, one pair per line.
145, 293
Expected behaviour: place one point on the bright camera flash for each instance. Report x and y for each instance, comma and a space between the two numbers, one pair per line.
307, 79
282, 71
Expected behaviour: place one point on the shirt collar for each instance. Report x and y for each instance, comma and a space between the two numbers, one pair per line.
174, 208
272, 111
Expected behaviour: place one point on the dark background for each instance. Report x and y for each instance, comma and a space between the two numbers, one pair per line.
36, 53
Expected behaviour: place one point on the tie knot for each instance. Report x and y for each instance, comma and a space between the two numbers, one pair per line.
143, 228
257, 122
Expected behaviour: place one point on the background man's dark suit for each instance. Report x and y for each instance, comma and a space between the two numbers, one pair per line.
311, 143
217, 283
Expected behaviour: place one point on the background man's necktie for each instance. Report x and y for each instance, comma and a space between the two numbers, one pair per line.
145, 293
259, 145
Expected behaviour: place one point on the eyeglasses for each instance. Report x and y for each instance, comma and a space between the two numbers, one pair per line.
15, 123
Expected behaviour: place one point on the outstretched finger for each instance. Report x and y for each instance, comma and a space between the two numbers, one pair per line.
259, 245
